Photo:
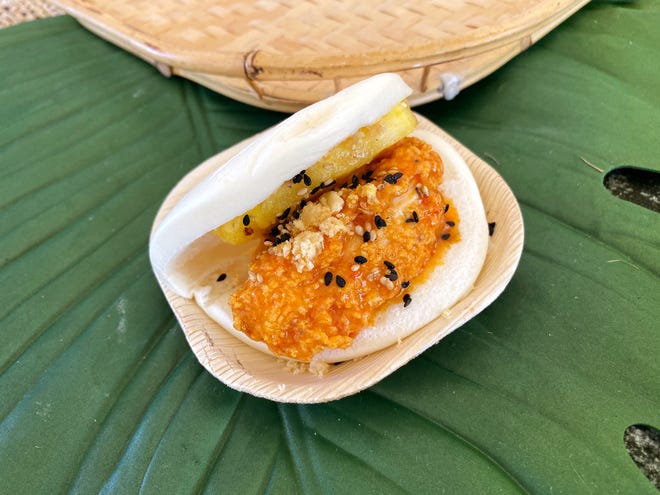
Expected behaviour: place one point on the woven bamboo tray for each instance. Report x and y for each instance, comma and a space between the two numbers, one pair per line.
285, 54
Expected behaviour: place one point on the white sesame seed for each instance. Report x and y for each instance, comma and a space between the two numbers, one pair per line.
359, 230
302, 192
355, 268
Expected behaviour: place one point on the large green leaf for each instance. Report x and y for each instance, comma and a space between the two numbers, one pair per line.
99, 391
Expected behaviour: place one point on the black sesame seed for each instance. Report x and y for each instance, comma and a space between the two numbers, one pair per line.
392, 275
406, 300
360, 260
366, 237
389, 264
446, 207
307, 180
393, 178
221, 277
298, 177
380, 223
367, 176
274, 232
296, 214
340, 281
491, 228
450, 223
405, 285
284, 214
444, 237
415, 216
327, 278
246, 220
354, 182
315, 190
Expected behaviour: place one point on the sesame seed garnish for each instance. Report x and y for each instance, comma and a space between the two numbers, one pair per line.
298, 177
246, 220
389, 264
307, 180
302, 192
366, 236
380, 223
340, 281
354, 182
360, 260
327, 278
450, 223
392, 275
446, 207
444, 237
414, 218
406, 300
393, 178
367, 176
355, 268
284, 214
328, 183
221, 277
387, 283
281, 238
315, 190
491, 228
359, 230
405, 285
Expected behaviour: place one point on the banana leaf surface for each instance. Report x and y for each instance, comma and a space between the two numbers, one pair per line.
99, 392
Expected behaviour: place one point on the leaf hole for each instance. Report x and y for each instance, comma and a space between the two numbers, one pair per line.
636, 185
643, 445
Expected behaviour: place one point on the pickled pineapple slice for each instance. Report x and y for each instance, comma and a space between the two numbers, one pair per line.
351, 154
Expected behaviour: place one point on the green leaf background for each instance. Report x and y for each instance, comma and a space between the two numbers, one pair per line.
100, 393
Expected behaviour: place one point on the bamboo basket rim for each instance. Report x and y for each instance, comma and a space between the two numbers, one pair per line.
286, 61
262, 64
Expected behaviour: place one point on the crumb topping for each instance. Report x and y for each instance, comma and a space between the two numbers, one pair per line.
333, 262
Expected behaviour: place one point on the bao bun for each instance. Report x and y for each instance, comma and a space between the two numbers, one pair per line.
187, 256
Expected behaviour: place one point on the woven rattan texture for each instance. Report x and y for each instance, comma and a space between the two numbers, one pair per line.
285, 54
14, 12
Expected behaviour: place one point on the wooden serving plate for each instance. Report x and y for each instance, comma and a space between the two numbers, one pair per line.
246, 369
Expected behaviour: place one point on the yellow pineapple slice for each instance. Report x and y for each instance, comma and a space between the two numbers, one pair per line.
351, 154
